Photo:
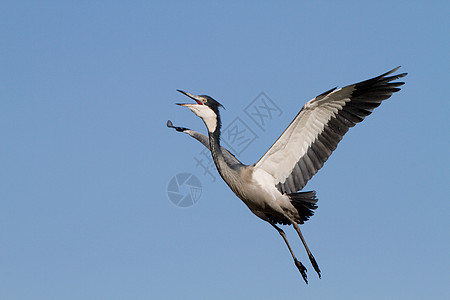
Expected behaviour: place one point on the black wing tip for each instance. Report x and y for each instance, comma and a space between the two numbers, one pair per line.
393, 70
385, 76
170, 125
388, 81
381, 81
395, 76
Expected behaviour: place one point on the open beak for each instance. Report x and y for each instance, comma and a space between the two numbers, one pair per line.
194, 97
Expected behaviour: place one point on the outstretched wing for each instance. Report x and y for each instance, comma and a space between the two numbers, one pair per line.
313, 135
229, 157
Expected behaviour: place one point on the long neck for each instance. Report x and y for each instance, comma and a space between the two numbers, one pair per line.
225, 170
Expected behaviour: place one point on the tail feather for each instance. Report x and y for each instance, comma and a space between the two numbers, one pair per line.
305, 203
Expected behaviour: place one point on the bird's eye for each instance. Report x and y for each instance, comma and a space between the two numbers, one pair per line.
203, 100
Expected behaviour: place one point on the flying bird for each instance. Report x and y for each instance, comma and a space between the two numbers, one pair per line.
271, 187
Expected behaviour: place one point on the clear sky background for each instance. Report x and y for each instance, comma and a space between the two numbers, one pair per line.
86, 88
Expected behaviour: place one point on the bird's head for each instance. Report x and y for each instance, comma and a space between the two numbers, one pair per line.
206, 108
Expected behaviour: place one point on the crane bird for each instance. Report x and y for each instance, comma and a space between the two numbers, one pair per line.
271, 187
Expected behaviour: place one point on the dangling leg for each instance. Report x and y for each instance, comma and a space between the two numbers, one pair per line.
298, 264
311, 257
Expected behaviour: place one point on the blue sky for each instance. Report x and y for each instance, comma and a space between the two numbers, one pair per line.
86, 158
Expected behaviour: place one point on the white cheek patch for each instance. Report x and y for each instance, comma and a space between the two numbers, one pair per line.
206, 114
211, 124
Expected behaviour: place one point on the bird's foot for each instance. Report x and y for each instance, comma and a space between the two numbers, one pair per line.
314, 264
302, 269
